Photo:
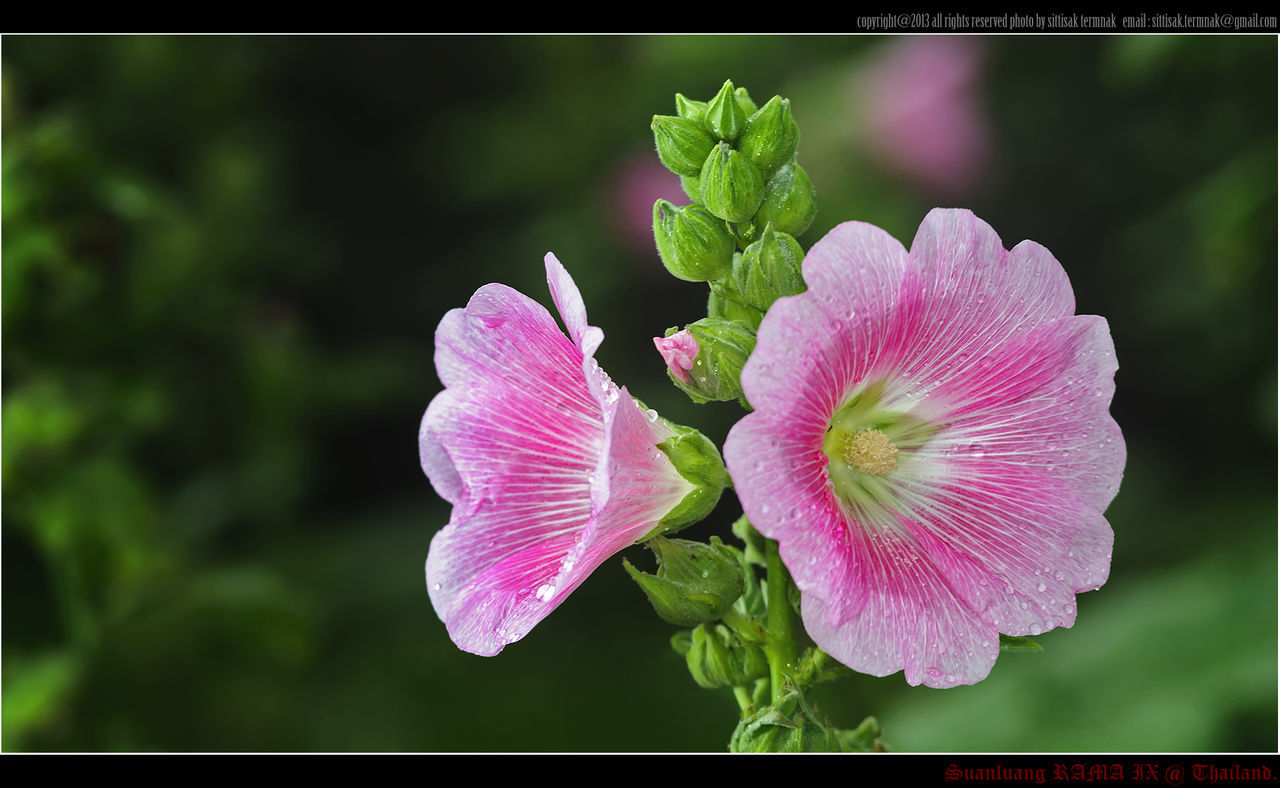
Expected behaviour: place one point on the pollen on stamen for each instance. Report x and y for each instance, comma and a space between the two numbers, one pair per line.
870, 451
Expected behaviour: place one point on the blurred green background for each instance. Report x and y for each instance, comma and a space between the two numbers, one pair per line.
224, 259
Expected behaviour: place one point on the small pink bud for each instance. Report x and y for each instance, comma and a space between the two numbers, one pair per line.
678, 350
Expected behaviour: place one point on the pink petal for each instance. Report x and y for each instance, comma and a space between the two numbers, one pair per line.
550, 467
996, 521
679, 351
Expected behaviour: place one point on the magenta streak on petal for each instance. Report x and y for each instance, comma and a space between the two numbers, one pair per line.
995, 523
550, 467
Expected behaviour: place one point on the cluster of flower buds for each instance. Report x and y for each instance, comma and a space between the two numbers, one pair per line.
737, 163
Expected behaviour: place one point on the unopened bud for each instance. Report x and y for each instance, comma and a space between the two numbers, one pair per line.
769, 269
717, 659
725, 117
789, 201
791, 726
695, 583
771, 136
693, 244
692, 188
683, 145
695, 111
726, 303
723, 348
731, 186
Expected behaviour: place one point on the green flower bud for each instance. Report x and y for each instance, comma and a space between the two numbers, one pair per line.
744, 100
725, 117
789, 726
731, 186
771, 136
864, 738
695, 584
698, 460
722, 349
769, 269
789, 202
692, 187
693, 244
718, 659
695, 111
726, 302
683, 145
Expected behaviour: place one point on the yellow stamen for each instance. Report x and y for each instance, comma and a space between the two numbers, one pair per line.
870, 451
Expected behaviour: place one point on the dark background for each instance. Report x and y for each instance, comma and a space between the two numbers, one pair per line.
224, 259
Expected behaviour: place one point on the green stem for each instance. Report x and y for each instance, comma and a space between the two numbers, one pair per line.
746, 628
780, 649
743, 696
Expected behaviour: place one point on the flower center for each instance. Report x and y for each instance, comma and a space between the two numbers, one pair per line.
868, 450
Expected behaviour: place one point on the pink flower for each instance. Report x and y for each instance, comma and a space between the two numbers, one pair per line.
678, 350
550, 467
923, 114
931, 446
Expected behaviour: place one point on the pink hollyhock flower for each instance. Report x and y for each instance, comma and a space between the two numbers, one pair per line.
679, 351
922, 111
550, 467
931, 446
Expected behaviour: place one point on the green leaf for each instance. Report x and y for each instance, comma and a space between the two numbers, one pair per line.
1016, 644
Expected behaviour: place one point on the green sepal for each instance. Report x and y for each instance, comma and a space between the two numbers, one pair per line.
744, 100
1013, 643
789, 201
790, 725
723, 349
691, 109
769, 269
694, 245
692, 188
698, 461
725, 302
725, 117
682, 144
732, 187
864, 738
695, 582
681, 642
771, 136
716, 658
754, 542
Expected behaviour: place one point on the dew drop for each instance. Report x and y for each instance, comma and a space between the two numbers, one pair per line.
1023, 605
1040, 587
1035, 629
436, 587
1057, 576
